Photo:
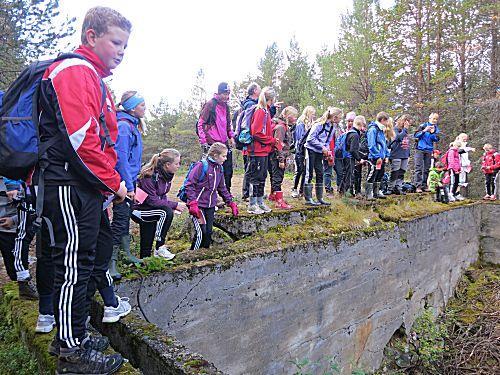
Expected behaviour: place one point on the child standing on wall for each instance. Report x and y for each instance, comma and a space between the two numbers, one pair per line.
277, 158
453, 166
437, 182
202, 189
465, 163
490, 165
304, 124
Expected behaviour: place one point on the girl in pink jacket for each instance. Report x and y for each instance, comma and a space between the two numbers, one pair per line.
453, 161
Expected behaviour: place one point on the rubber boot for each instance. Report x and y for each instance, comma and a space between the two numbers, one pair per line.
319, 195
280, 202
376, 191
369, 191
125, 241
272, 196
113, 264
308, 195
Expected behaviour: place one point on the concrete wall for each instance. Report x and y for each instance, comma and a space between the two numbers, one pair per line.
319, 300
490, 233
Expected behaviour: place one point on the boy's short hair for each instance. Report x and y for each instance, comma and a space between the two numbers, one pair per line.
100, 19
381, 116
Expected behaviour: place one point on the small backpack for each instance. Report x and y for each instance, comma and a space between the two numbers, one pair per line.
182, 191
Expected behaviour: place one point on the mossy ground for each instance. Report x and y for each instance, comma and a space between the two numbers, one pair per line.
345, 218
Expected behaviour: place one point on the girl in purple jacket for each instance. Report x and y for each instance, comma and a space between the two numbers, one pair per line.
202, 189
155, 213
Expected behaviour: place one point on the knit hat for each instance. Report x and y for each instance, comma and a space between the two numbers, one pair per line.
223, 88
350, 116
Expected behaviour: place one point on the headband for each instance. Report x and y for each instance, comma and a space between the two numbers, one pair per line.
132, 102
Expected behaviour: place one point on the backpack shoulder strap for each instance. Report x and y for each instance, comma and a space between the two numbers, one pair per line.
204, 169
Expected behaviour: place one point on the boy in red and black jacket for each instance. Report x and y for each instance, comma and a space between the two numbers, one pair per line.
490, 165
80, 173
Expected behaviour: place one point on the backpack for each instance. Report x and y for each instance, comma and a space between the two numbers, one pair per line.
242, 136
408, 187
444, 160
301, 149
212, 115
20, 147
182, 191
363, 145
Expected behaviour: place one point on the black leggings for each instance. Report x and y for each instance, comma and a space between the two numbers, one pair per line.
455, 179
203, 232
154, 223
314, 164
300, 172
490, 183
374, 174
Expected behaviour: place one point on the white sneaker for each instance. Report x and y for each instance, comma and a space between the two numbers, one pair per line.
254, 209
295, 193
264, 207
458, 197
164, 253
113, 314
451, 198
45, 323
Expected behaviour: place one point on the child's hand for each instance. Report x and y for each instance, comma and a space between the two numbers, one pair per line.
281, 165
6, 222
234, 208
181, 206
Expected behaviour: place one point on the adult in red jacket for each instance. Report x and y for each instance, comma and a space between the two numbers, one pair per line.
81, 169
259, 150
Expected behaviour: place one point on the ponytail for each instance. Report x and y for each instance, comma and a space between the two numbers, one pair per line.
157, 161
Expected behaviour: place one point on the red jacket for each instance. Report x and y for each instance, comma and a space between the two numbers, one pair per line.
70, 101
490, 162
262, 133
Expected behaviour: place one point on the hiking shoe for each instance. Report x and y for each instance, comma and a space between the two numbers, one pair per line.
88, 361
486, 197
458, 197
164, 253
113, 314
45, 323
99, 343
255, 209
264, 207
295, 193
451, 198
27, 289
419, 190
493, 197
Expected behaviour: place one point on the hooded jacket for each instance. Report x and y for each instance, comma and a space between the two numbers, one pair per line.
206, 191
157, 186
434, 179
490, 162
377, 144
400, 146
284, 136
453, 159
319, 137
426, 139
262, 133
214, 126
70, 102
128, 149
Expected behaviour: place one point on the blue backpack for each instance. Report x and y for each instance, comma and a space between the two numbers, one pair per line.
242, 135
341, 146
182, 191
20, 149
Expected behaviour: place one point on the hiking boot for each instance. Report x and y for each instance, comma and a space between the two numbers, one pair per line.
113, 314
308, 196
295, 193
369, 191
129, 257
88, 361
280, 202
27, 289
113, 264
319, 195
376, 191
45, 323
99, 343
164, 252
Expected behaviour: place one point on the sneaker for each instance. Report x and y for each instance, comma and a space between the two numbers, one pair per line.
45, 323
254, 209
27, 289
264, 207
113, 314
451, 198
164, 253
493, 197
295, 193
99, 343
88, 361
419, 190
486, 197
458, 197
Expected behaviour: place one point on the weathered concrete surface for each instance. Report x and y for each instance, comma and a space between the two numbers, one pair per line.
317, 300
490, 233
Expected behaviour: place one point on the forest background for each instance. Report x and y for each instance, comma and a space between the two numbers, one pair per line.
416, 57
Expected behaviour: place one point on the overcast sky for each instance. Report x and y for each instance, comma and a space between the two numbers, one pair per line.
172, 40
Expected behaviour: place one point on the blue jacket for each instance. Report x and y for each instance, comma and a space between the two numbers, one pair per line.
319, 137
400, 146
426, 139
377, 144
128, 149
298, 134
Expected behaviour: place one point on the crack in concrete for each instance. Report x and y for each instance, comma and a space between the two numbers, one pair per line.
185, 297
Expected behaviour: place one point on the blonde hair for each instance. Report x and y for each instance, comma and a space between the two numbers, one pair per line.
266, 94
287, 113
307, 116
401, 119
461, 136
328, 115
100, 19
487, 146
157, 161
382, 116
216, 149
359, 121
456, 144
389, 130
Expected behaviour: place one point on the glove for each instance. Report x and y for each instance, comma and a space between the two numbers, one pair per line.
234, 208
194, 209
